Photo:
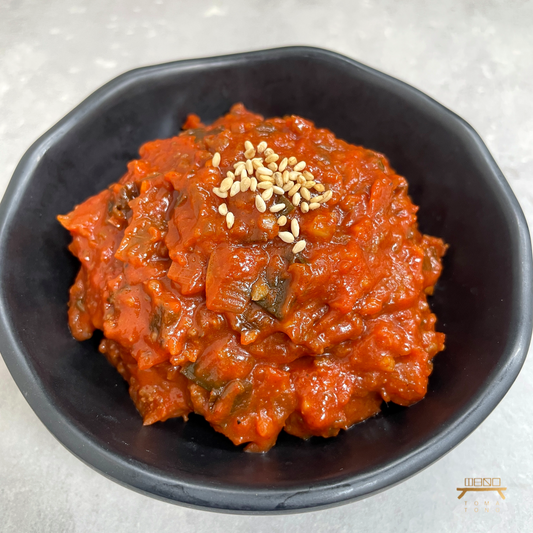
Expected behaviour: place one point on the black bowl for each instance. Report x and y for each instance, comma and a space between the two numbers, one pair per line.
483, 299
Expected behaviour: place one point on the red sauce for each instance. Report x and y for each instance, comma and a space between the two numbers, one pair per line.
344, 325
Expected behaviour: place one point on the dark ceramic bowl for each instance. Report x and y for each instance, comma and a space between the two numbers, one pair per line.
483, 300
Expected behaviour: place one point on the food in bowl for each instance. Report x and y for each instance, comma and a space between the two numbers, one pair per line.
262, 274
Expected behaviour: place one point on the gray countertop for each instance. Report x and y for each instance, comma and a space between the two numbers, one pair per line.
475, 57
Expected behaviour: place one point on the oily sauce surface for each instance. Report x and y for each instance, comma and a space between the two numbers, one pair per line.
342, 326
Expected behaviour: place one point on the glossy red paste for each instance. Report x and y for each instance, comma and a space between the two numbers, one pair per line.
345, 324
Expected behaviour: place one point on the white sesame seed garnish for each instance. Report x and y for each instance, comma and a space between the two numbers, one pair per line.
226, 184
288, 186
272, 166
309, 184
300, 166
220, 194
278, 190
308, 176
276, 208
249, 166
265, 185
245, 184
319, 187
238, 164
243, 173
318, 199
283, 164
268, 152
286, 236
230, 174
306, 195
293, 175
248, 145
296, 199
278, 178
300, 179
282, 220
260, 204
313, 206
286, 175
223, 209
295, 188
272, 158
264, 177
292, 161
304, 206
295, 227
230, 219
257, 162
264, 171
298, 247
261, 147
328, 195
216, 160
235, 188
253, 184
249, 153
266, 195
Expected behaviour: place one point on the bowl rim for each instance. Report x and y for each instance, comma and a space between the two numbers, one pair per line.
217, 497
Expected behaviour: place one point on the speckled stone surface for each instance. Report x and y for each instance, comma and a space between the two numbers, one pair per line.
475, 57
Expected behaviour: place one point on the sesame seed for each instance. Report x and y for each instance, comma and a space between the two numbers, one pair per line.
294, 189
257, 162
283, 164
265, 185
288, 186
309, 184
278, 178
282, 220
216, 160
313, 206
300, 166
268, 152
238, 164
308, 175
230, 174
235, 188
265, 171
249, 153
319, 187
239, 169
223, 209
266, 195
262, 177
272, 166
306, 195
230, 219
300, 179
293, 175
298, 247
261, 147
292, 161
220, 194
278, 190
226, 184
286, 175
286, 236
272, 158
243, 173
260, 204
318, 199
248, 145
253, 184
276, 208
328, 195
249, 166
295, 227
304, 206
245, 184
296, 199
